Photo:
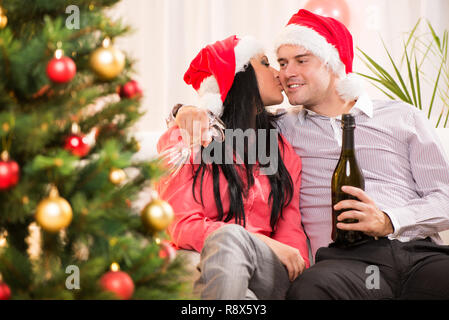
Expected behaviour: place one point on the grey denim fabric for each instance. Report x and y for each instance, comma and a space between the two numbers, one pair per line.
235, 265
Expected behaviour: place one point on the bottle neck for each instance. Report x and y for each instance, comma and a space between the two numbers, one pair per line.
347, 148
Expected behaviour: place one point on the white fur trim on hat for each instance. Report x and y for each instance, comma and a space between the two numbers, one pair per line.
210, 97
314, 42
350, 87
212, 102
247, 48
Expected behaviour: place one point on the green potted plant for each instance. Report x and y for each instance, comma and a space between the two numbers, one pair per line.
426, 51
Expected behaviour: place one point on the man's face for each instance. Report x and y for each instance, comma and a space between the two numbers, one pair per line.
305, 78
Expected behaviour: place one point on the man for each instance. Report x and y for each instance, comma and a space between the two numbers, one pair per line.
406, 199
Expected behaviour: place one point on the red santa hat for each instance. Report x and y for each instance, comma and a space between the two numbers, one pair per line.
329, 40
212, 71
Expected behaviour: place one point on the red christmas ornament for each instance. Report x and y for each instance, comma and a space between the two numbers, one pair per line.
5, 292
118, 282
130, 90
9, 172
61, 69
77, 144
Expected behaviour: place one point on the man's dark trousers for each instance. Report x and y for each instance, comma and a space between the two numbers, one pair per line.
378, 269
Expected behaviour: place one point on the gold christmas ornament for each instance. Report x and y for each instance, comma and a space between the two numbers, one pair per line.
157, 215
54, 213
107, 62
117, 176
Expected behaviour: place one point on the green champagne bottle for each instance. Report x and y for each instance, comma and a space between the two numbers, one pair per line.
347, 173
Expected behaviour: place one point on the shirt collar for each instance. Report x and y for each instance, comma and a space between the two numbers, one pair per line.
363, 104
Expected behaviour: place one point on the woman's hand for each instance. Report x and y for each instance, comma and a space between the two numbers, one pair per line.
289, 256
194, 125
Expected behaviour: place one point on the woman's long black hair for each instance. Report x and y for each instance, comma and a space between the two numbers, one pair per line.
242, 102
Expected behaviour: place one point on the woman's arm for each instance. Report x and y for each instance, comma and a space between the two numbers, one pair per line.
191, 224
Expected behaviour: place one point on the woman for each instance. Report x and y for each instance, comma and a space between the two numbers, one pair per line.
246, 225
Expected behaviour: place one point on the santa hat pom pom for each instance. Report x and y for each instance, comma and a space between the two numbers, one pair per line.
212, 102
350, 87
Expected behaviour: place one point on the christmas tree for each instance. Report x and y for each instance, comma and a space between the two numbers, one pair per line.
68, 181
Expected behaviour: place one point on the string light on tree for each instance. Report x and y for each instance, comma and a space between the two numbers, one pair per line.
3, 239
3, 18
34, 241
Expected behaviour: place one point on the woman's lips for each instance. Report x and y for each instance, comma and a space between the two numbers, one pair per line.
280, 86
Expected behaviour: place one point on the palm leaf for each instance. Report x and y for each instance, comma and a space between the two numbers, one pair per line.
435, 91
410, 37
384, 77
412, 33
410, 77
439, 118
393, 88
381, 70
398, 74
418, 85
383, 91
434, 35
419, 51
